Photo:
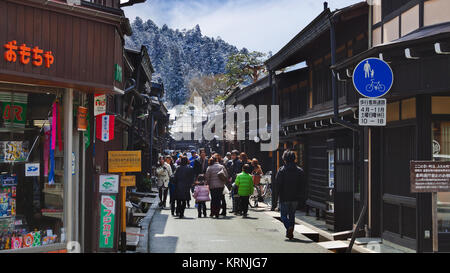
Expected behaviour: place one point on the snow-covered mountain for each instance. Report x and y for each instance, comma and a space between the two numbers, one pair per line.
178, 56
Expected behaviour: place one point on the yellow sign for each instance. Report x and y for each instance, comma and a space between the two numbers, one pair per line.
124, 161
128, 181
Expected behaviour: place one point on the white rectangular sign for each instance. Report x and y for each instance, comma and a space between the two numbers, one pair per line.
109, 183
32, 169
99, 105
372, 112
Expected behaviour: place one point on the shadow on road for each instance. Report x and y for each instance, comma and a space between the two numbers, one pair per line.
295, 240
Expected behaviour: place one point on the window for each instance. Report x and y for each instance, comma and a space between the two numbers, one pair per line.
31, 202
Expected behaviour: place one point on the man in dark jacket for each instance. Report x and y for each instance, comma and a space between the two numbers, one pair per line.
288, 183
183, 181
235, 167
201, 163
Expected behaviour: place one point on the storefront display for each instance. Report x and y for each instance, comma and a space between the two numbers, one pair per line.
31, 200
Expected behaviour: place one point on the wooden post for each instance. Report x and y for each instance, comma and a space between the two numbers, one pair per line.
435, 222
123, 226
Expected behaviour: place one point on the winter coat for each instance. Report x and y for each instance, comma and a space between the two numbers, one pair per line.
212, 177
244, 181
164, 173
288, 182
201, 194
236, 168
198, 168
183, 180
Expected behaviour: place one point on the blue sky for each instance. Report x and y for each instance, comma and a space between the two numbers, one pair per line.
263, 25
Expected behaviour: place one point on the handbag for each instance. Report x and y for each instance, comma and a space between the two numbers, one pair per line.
222, 176
225, 191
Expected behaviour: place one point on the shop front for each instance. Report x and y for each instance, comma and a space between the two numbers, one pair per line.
52, 59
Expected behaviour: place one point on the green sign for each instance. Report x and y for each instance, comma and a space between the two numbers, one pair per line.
14, 108
107, 217
118, 73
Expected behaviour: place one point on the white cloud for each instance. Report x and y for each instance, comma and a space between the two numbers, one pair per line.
263, 25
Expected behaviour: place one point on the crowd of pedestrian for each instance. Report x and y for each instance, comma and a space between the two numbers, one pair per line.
211, 179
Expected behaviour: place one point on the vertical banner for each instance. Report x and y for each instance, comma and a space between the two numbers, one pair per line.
105, 127
107, 219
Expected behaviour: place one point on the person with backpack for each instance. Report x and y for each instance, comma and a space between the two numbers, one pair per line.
215, 175
201, 195
244, 182
288, 183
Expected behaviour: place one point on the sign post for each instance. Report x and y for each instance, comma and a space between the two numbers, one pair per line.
433, 177
372, 78
123, 162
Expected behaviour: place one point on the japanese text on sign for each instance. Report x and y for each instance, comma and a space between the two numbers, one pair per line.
107, 215
430, 176
26, 54
372, 112
124, 161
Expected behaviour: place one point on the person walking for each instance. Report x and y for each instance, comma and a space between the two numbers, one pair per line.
226, 158
201, 195
201, 163
163, 172
216, 184
256, 175
183, 181
169, 160
244, 182
235, 168
288, 180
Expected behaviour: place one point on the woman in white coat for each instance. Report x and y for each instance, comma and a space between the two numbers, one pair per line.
163, 173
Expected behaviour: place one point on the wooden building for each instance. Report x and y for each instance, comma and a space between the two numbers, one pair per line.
413, 36
57, 55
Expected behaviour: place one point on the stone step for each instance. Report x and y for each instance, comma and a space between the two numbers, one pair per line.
307, 232
335, 246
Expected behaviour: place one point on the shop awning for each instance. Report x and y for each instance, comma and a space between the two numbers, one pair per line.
318, 116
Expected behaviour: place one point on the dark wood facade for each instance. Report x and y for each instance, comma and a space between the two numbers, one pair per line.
86, 47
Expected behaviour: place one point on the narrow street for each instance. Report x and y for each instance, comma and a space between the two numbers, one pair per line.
260, 233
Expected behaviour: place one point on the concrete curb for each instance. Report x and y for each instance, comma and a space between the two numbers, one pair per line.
143, 245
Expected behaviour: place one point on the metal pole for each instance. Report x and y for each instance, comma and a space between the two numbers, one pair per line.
123, 225
68, 185
435, 222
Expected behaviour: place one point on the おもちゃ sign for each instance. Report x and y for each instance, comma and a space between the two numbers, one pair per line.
25, 54
107, 219
124, 161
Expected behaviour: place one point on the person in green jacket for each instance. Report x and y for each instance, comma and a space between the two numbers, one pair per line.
244, 182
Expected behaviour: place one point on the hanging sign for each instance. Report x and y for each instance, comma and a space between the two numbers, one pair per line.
109, 183
124, 161
107, 217
372, 112
105, 127
82, 118
373, 78
430, 176
32, 169
99, 105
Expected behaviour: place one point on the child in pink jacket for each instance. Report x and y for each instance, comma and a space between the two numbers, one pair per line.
201, 195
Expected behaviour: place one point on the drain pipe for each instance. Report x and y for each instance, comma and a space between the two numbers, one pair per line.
344, 123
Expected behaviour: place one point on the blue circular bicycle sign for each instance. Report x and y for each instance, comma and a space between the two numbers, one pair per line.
373, 78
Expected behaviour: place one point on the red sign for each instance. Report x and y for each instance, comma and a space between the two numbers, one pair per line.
105, 127
27, 54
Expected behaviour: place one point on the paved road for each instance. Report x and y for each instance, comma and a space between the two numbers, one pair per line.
260, 233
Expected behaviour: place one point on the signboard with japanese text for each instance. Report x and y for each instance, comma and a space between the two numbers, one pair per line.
107, 221
430, 176
82, 118
128, 181
109, 183
124, 161
372, 112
